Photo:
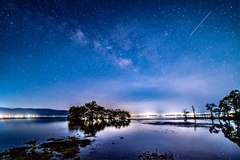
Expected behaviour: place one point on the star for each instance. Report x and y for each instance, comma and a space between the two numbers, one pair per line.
161, 56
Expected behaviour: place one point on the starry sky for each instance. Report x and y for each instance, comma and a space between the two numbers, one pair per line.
157, 56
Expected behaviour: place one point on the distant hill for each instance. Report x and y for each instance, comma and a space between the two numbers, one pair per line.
31, 111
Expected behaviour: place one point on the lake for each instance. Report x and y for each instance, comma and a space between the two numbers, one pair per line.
186, 140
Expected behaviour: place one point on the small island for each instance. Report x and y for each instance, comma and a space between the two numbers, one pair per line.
92, 111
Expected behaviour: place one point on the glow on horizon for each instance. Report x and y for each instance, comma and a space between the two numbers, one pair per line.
28, 116
18, 116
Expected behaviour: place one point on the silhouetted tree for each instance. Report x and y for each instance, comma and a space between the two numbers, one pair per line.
90, 114
92, 111
210, 107
224, 108
235, 98
99, 112
185, 112
217, 112
194, 113
76, 113
231, 104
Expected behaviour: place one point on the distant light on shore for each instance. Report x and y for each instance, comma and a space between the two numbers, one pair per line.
28, 116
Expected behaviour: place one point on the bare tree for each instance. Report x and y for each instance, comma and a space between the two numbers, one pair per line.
185, 112
194, 113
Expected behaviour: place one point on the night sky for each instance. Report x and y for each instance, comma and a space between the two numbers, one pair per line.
145, 56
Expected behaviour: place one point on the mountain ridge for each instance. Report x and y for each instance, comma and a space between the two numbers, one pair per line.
32, 111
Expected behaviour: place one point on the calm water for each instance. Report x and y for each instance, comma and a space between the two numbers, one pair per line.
184, 141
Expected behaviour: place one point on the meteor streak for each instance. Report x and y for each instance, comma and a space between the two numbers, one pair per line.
200, 24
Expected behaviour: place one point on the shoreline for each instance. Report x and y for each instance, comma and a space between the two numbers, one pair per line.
37, 117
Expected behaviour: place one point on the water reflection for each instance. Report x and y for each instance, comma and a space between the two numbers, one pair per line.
90, 128
230, 129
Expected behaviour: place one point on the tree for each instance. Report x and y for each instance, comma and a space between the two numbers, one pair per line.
76, 113
121, 114
127, 114
210, 107
231, 103
185, 112
99, 112
235, 96
194, 113
92, 111
217, 111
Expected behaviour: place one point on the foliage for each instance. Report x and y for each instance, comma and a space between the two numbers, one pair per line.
210, 107
230, 104
92, 111
228, 108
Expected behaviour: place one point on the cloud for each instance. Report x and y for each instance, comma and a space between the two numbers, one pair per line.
136, 93
160, 94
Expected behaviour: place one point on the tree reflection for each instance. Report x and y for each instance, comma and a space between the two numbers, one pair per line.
230, 129
90, 128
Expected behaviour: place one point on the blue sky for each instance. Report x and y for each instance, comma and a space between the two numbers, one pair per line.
143, 56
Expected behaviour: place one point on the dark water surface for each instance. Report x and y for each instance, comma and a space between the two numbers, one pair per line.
184, 141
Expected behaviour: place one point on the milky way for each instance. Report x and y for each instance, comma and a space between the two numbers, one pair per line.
134, 55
